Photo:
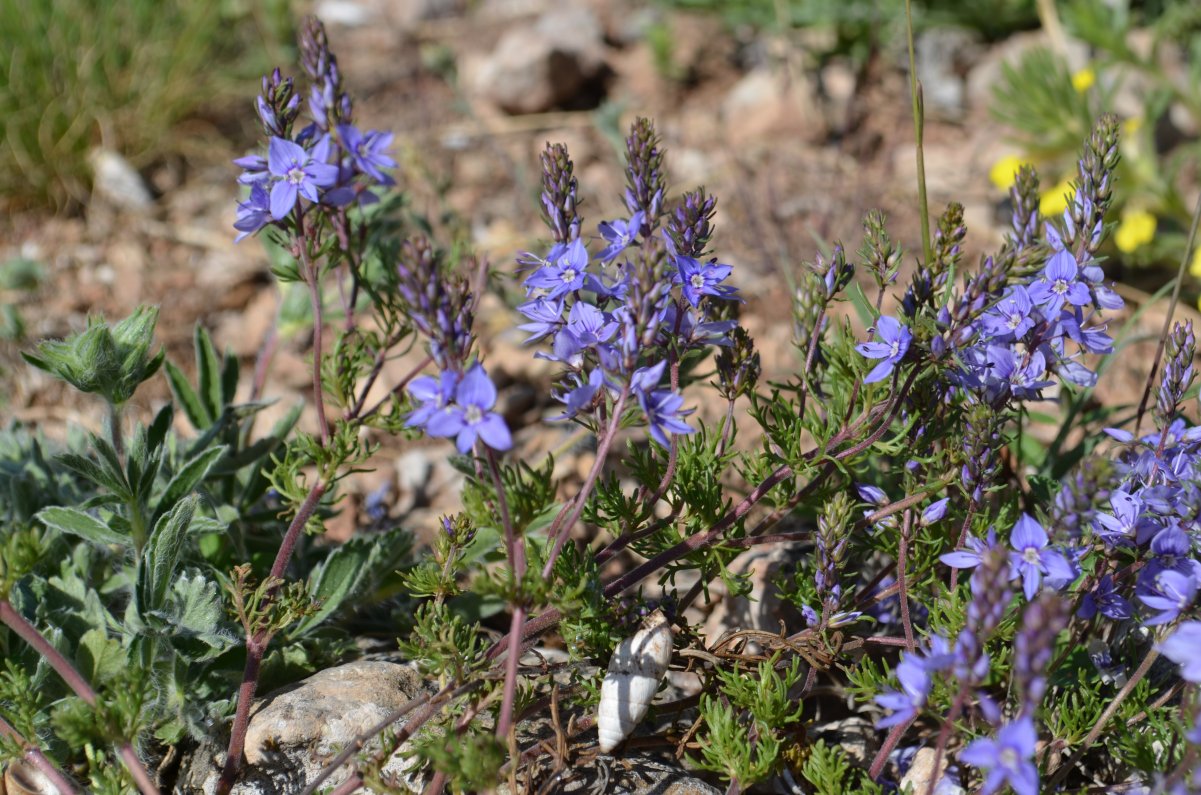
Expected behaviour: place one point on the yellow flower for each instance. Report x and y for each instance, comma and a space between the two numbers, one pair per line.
1084, 79
1136, 229
1194, 267
1055, 201
1132, 125
1005, 171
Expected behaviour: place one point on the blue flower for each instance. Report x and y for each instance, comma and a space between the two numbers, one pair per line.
1031, 559
1184, 647
563, 271
934, 512
663, 415
619, 234
470, 416
895, 339
254, 213
1125, 525
432, 394
545, 314
1172, 593
914, 676
697, 279
368, 151
1059, 285
973, 554
297, 174
1106, 601
1010, 319
581, 397
1007, 759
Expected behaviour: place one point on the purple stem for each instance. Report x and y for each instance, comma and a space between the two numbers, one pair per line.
34, 756
29, 633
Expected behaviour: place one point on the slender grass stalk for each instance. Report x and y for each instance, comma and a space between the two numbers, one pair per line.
915, 89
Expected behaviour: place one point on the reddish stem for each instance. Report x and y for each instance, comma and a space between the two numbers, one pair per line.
29, 633
35, 757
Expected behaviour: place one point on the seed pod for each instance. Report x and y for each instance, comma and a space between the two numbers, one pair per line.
637, 667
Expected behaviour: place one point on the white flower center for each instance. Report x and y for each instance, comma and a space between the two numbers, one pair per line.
1015, 320
473, 415
895, 348
697, 281
569, 275
1030, 554
1008, 758
1059, 287
295, 175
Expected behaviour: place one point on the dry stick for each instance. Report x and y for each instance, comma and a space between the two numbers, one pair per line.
256, 645
1090, 738
34, 756
395, 389
314, 284
906, 623
29, 633
1167, 320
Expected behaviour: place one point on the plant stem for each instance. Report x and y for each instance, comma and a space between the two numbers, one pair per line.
1062, 771
256, 646
62, 666
903, 590
517, 562
114, 430
915, 89
314, 284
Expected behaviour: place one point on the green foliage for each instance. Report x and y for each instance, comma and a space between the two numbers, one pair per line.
84, 73
830, 772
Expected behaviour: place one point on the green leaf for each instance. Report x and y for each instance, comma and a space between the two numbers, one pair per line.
97, 473
160, 426
336, 579
188, 477
195, 615
100, 659
187, 397
161, 555
208, 374
77, 523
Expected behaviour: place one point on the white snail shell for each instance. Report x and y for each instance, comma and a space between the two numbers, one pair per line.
637, 667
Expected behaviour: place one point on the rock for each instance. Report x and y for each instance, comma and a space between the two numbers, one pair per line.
767, 105
413, 471
944, 56
854, 735
549, 64
763, 608
347, 13
838, 85
294, 731
921, 770
989, 67
118, 182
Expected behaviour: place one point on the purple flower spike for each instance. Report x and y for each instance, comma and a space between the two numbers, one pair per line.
1184, 647
895, 342
297, 174
1007, 759
1032, 559
470, 417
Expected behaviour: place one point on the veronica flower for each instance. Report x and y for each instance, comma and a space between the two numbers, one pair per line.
254, 213
470, 416
1172, 593
432, 394
1007, 759
368, 151
1059, 285
895, 339
588, 325
619, 234
297, 174
545, 315
581, 397
914, 679
1125, 524
1032, 559
973, 554
1184, 647
1010, 319
1104, 600
934, 512
662, 409
563, 271
697, 279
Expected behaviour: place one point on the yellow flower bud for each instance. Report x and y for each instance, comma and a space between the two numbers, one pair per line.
1194, 266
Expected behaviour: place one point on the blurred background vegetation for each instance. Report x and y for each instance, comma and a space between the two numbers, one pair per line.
122, 74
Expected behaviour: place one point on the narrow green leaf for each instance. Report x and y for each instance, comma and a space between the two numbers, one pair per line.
187, 397
162, 553
96, 473
77, 523
188, 477
208, 374
159, 427
229, 378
